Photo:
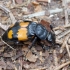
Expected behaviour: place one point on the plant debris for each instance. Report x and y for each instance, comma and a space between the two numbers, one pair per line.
45, 12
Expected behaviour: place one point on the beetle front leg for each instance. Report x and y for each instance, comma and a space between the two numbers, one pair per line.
33, 42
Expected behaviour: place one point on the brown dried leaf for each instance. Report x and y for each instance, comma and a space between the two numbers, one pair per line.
30, 8
2, 64
25, 10
52, 67
19, 1
25, 48
31, 57
33, 65
2, 49
40, 57
46, 54
8, 3
27, 42
38, 8
35, 3
6, 55
41, 68
4, 18
17, 56
10, 65
26, 66
43, 0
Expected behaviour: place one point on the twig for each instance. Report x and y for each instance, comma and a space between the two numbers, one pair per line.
63, 34
13, 2
66, 17
17, 56
4, 27
64, 26
68, 41
18, 5
64, 3
4, 9
34, 14
62, 65
56, 10
67, 47
55, 58
20, 62
58, 32
62, 47
42, 13
7, 44
41, 68
13, 20
59, 41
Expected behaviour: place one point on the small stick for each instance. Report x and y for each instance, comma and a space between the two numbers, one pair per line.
66, 17
18, 5
58, 32
41, 68
62, 65
13, 2
34, 14
67, 47
13, 20
4, 9
57, 10
55, 58
59, 41
4, 27
59, 27
20, 61
62, 47
64, 33
64, 3
7, 44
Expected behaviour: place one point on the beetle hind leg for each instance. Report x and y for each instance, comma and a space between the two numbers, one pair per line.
44, 47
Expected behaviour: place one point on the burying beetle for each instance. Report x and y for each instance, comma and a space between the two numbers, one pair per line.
23, 31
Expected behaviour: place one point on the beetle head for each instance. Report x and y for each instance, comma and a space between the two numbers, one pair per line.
51, 38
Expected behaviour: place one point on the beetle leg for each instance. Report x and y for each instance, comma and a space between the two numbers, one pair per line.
44, 47
33, 42
51, 27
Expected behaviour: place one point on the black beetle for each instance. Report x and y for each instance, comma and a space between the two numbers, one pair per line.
23, 31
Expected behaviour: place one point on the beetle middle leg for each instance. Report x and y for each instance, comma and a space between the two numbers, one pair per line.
30, 46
